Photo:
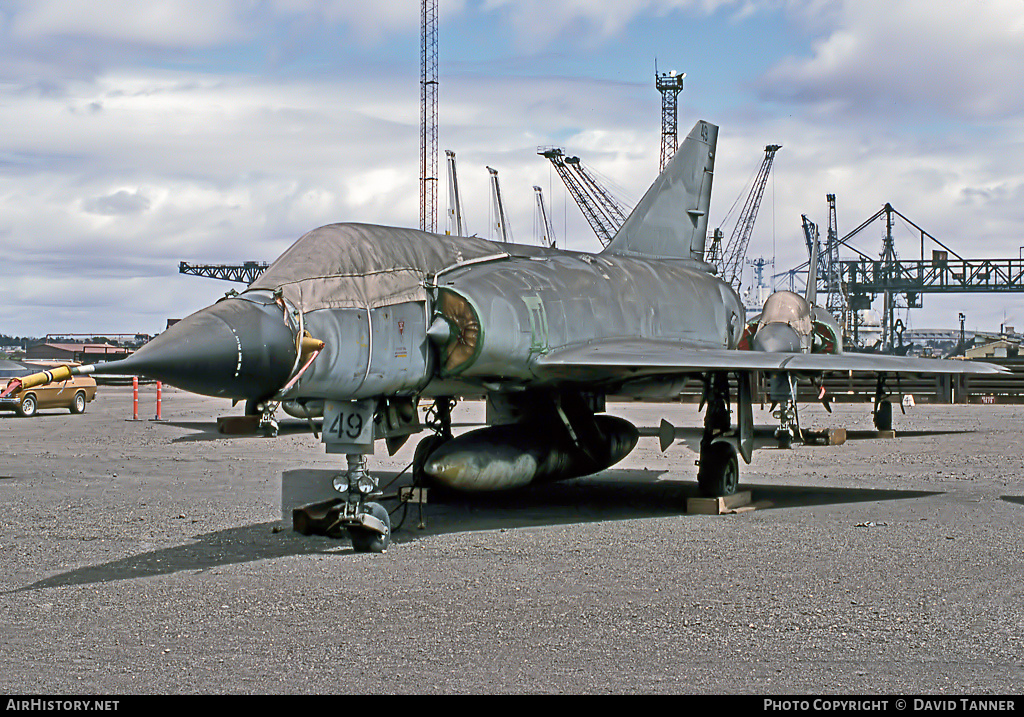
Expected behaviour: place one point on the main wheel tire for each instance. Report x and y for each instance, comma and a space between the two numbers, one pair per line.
883, 416
719, 472
370, 541
78, 405
28, 406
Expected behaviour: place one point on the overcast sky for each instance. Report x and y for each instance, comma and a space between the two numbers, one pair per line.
136, 135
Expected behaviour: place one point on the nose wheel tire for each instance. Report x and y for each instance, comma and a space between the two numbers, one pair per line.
719, 471
365, 540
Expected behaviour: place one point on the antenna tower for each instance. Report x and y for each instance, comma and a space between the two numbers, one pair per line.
428, 117
669, 84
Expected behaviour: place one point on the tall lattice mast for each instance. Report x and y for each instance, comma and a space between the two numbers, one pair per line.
428, 117
669, 84
836, 300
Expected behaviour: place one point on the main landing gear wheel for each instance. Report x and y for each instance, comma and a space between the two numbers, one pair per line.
365, 540
719, 471
883, 416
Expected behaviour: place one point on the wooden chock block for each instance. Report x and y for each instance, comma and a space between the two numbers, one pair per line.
825, 436
238, 425
737, 503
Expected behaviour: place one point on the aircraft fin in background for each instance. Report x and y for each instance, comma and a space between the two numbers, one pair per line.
671, 221
812, 273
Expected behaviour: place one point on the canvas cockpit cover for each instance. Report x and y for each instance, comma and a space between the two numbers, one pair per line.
366, 266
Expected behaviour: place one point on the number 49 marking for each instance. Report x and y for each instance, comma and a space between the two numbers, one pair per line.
348, 422
347, 426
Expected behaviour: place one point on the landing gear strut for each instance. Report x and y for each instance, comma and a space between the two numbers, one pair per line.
783, 391
368, 524
267, 426
439, 420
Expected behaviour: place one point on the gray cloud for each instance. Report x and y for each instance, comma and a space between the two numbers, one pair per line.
908, 59
119, 203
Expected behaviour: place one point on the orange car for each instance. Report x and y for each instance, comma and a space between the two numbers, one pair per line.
72, 394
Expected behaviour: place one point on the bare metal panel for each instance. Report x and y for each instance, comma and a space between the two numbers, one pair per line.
529, 307
368, 352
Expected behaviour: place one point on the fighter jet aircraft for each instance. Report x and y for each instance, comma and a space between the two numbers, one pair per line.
791, 323
358, 323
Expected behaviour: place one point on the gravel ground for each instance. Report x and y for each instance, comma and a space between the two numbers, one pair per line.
142, 557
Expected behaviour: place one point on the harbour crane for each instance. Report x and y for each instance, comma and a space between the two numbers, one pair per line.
730, 257
499, 208
454, 198
604, 214
547, 234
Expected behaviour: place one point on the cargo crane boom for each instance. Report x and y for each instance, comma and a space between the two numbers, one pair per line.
500, 225
604, 214
454, 198
735, 251
547, 235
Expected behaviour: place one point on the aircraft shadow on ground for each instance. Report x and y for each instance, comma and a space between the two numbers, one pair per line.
244, 544
764, 436
619, 494
1018, 499
206, 431
611, 495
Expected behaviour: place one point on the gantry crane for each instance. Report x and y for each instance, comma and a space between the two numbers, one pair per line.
730, 258
247, 273
836, 300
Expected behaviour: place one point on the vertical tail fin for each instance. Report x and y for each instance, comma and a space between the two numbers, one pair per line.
812, 273
671, 221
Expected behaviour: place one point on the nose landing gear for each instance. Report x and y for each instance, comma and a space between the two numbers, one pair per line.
368, 523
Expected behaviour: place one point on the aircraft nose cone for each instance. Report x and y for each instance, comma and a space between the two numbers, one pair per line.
780, 338
236, 348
